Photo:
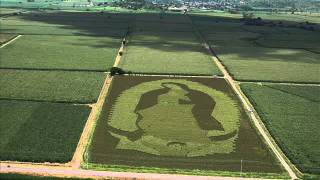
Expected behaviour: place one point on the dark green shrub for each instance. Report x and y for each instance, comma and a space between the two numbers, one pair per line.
116, 71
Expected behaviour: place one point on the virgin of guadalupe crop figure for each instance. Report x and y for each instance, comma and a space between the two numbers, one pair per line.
175, 120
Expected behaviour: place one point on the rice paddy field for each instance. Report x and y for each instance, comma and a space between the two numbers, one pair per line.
167, 53
49, 76
61, 52
291, 114
40, 131
52, 74
141, 126
53, 86
259, 53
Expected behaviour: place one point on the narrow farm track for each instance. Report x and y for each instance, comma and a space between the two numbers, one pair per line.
282, 83
7, 43
93, 117
78, 155
253, 114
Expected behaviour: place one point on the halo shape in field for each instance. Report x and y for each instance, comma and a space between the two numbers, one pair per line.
169, 127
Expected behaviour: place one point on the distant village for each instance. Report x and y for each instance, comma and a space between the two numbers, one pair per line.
182, 5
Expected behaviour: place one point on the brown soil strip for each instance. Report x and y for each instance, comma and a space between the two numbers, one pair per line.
121, 50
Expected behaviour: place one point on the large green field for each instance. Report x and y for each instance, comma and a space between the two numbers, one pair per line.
291, 113
177, 123
54, 86
66, 23
259, 53
54, 72
40, 131
167, 53
60, 52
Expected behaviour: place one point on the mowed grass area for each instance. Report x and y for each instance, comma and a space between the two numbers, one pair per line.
157, 124
291, 114
259, 53
167, 53
53, 86
60, 52
40, 131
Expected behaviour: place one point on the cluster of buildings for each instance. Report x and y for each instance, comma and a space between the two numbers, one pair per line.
219, 4
200, 4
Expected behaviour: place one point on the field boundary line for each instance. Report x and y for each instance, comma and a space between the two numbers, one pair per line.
50, 69
9, 42
172, 75
252, 113
281, 83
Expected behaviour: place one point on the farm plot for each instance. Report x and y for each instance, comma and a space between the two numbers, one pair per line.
176, 38
248, 57
267, 64
63, 24
56, 86
60, 52
40, 131
164, 54
177, 123
308, 41
291, 114
6, 37
162, 27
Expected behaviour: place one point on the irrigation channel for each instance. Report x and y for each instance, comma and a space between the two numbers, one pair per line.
72, 169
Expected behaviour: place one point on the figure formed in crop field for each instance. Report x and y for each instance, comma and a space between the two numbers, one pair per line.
175, 120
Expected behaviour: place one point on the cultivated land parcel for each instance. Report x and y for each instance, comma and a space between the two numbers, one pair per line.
52, 74
177, 123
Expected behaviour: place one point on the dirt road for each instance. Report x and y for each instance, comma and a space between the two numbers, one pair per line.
70, 172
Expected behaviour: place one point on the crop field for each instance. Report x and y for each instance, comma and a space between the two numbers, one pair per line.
49, 75
174, 120
5, 38
167, 53
53, 86
40, 131
61, 52
291, 114
259, 53
178, 123
91, 24
168, 59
